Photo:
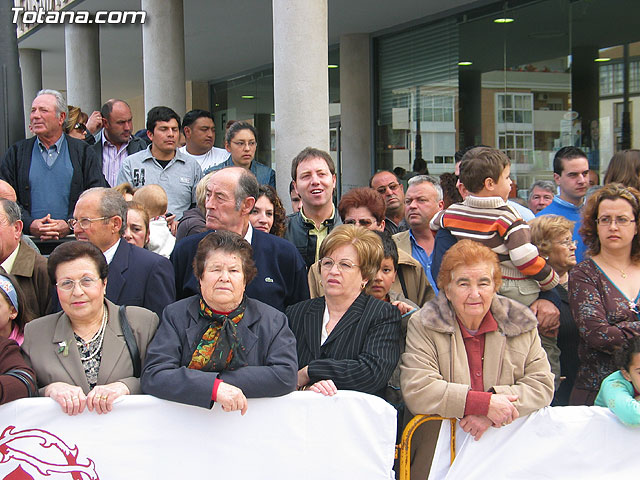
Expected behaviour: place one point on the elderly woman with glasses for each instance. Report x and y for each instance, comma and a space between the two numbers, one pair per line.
240, 142
553, 236
346, 339
366, 207
90, 353
603, 290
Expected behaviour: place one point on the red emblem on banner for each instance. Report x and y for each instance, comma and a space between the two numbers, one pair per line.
38, 454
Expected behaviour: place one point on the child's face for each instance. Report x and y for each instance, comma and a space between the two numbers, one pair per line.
381, 283
633, 374
503, 185
7, 315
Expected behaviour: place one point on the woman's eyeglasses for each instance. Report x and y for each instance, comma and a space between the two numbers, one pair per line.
363, 222
84, 282
327, 263
620, 221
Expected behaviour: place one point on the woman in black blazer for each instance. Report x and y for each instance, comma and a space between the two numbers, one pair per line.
346, 340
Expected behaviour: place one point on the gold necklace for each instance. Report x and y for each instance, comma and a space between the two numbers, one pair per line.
623, 274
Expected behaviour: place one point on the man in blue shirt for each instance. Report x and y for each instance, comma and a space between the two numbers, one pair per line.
571, 173
50, 170
421, 202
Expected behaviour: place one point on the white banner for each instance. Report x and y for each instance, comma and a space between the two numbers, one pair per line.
300, 436
555, 442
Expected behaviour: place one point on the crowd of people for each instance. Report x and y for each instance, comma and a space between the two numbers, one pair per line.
187, 280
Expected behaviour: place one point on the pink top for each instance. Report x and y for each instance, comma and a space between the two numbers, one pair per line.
16, 335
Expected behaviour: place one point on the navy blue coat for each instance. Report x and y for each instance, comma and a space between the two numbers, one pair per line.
140, 278
271, 371
282, 274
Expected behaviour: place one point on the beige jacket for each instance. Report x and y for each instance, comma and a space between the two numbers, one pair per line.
44, 337
435, 371
419, 289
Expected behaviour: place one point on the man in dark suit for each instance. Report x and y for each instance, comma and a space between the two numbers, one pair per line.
116, 140
50, 170
136, 276
282, 275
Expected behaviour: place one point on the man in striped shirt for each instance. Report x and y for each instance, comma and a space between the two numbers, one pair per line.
116, 142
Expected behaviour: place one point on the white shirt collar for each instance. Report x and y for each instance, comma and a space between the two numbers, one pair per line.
111, 251
249, 235
10, 260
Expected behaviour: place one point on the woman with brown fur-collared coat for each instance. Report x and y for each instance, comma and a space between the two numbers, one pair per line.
471, 354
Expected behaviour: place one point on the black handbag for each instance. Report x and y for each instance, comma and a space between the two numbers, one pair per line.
26, 378
130, 340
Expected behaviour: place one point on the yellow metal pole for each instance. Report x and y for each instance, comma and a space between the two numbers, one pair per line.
405, 442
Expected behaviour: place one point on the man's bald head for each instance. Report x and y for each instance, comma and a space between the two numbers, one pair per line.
7, 191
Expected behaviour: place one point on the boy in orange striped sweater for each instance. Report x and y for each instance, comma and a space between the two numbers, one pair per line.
485, 217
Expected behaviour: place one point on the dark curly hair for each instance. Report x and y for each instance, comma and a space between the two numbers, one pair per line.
589, 228
279, 214
227, 242
450, 191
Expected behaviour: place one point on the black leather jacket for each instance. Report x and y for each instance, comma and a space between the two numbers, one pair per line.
298, 234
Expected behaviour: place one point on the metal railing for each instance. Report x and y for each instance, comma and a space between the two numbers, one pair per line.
403, 450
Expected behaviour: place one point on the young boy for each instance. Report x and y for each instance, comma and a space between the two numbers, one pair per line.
154, 199
485, 217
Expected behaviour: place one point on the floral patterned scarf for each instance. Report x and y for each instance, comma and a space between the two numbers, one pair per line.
220, 347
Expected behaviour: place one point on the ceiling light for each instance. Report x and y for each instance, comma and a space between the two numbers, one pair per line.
465, 63
503, 20
248, 97
332, 66
602, 59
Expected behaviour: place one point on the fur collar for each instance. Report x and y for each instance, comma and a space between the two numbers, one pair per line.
513, 318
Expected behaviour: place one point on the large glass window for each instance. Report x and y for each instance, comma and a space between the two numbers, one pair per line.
526, 77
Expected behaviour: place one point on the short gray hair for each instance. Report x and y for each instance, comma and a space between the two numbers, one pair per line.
547, 185
112, 204
248, 186
61, 103
418, 179
12, 210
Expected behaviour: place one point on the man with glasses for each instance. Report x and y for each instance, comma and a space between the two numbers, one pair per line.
387, 184
23, 262
571, 173
422, 202
162, 163
50, 170
116, 141
136, 276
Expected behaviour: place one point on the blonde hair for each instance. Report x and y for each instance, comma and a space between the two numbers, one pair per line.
153, 198
76, 115
201, 191
548, 228
366, 243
